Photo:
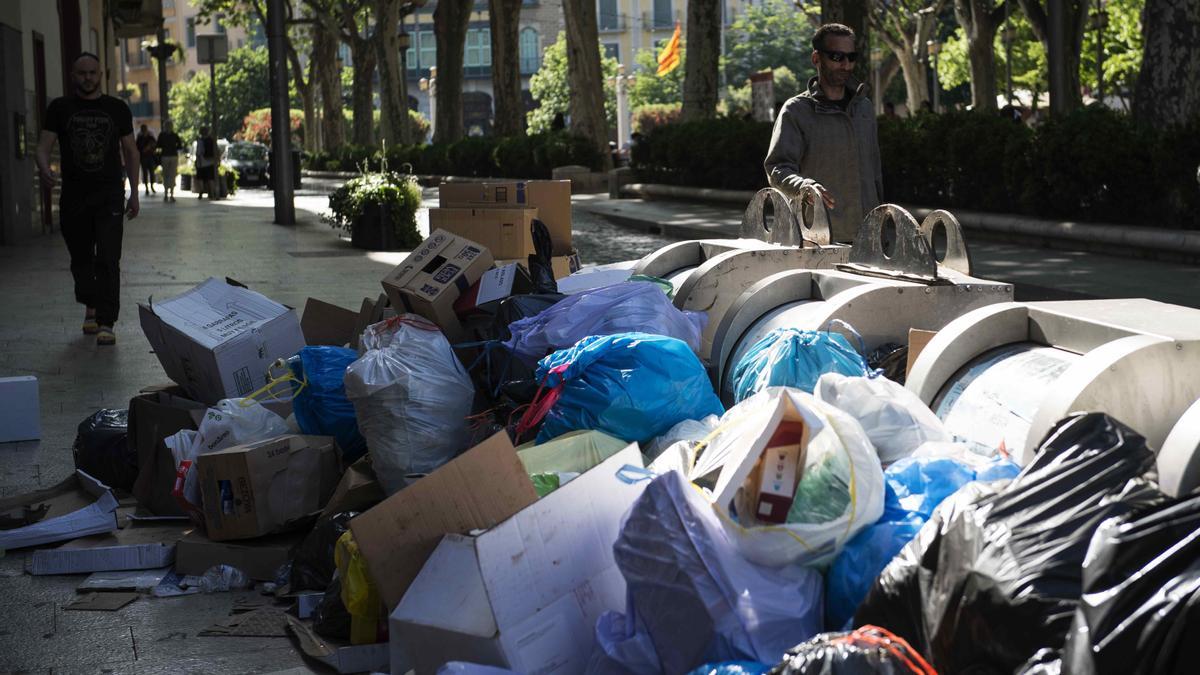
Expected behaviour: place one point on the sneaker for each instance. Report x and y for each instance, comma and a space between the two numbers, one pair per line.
106, 336
90, 327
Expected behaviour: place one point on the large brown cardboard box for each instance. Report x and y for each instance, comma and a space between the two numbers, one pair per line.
155, 414
433, 276
552, 199
259, 558
505, 232
260, 488
478, 489
324, 323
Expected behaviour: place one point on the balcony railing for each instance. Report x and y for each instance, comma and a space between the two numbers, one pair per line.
142, 109
611, 23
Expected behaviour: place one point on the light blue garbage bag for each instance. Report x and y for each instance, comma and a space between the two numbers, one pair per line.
791, 357
914, 487
626, 307
733, 668
691, 598
632, 386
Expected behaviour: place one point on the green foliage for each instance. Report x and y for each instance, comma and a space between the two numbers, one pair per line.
653, 115
738, 99
256, 127
725, 152
531, 156
398, 195
650, 89
765, 36
974, 161
551, 89
231, 177
242, 86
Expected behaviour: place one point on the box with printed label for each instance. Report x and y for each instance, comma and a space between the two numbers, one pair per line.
218, 340
259, 488
552, 199
433, 276
505, 232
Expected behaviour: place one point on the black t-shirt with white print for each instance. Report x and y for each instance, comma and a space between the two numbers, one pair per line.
89, 140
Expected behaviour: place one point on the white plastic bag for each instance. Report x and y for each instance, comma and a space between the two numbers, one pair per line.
412, 398
834, 438
233, 421
895, 419
690, 431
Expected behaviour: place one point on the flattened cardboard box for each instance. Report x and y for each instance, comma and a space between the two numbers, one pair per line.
526, 593
217, 340
433, 276
259, 558
259, 488
135, 547
552, 199
505, 232
477, 489
77, 507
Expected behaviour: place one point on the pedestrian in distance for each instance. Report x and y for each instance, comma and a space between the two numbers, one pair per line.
98, 152
147, 150
169, 146
206, 164
826, 137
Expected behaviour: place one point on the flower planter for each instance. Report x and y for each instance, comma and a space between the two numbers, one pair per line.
373, 230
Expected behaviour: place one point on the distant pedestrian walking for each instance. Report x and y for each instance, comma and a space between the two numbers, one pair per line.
147, 150
169, 146
94, 134
206, 165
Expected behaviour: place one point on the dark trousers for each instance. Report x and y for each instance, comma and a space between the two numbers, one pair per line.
92, 225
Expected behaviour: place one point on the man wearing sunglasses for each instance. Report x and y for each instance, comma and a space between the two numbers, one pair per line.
826, 137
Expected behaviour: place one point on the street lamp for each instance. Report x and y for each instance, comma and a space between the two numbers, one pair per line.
934, 47
877, 65
1099, 22
430, 85
161, 50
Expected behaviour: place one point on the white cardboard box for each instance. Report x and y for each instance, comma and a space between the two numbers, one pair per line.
77, 507
136, 547
526, 593
20, 414
217, 340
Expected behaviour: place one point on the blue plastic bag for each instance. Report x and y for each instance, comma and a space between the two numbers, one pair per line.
914, 488
791, 357
733, 668
633, 386
609, 310
321, 406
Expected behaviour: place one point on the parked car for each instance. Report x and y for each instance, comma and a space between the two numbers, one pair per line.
250, 160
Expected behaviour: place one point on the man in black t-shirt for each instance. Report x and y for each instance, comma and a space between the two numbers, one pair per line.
95, 135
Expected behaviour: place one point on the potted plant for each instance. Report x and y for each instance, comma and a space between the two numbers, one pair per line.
378, 210
186, 172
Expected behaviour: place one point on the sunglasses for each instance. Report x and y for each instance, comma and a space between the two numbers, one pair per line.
838, 57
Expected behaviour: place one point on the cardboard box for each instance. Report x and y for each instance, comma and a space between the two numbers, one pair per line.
259, 488
259, 558
477, 489
20, 414
917, 341
433, 276
155, 414
526, 593
370, 658
136, 547
563, 265
504, 232
552, 199
358, 490
217, 340
326, 324
77, 507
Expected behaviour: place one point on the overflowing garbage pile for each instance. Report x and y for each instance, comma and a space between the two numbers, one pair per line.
480, 473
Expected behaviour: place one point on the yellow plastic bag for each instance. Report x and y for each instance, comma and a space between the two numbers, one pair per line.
359, 593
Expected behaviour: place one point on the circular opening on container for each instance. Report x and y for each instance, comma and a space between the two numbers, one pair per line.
808, 214
768, 214
937, 240
887, 237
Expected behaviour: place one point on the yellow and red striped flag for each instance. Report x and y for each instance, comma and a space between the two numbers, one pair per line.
668, 58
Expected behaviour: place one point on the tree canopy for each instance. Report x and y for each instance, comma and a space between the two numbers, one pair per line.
650, 89
772, 34
550, 89
242, 86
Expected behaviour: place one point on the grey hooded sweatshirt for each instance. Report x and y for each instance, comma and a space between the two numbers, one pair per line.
815, 141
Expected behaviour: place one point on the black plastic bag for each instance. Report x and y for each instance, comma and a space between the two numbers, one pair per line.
541, 268
497, 371
331, 619
992, 578
869, 649
312, 564
102, 449
1140, 611
892, 359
